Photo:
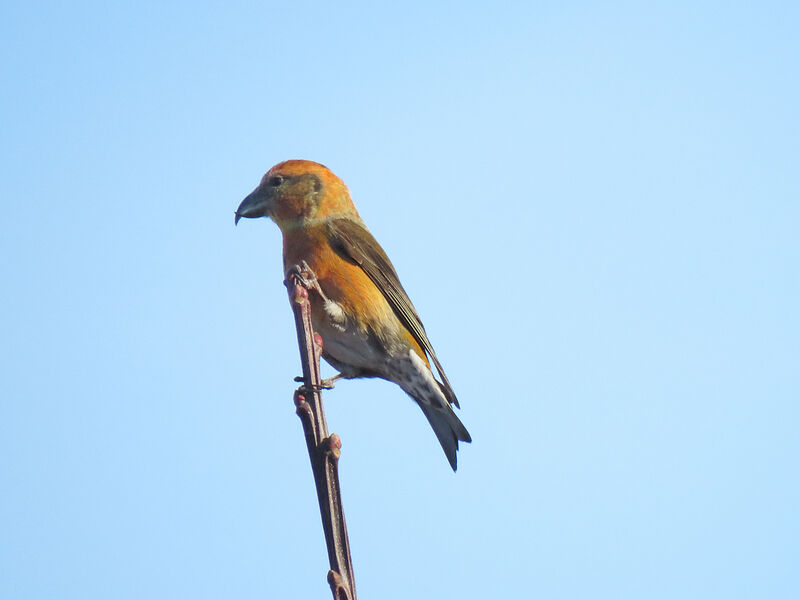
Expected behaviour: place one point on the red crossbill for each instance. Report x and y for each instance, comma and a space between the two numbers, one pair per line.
369, 327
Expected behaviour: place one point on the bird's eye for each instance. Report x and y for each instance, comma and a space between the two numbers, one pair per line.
275, 181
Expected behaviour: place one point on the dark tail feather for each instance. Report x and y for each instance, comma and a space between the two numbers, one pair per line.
448, 429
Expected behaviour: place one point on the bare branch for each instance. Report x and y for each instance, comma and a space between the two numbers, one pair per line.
323, 449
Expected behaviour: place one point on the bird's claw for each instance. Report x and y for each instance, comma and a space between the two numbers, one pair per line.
325, 384
303, 274
306, 277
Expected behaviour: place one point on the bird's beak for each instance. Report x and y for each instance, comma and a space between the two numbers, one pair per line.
257, 204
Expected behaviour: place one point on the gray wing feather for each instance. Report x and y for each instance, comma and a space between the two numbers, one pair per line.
351, 240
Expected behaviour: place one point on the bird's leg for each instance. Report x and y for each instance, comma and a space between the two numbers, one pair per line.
325, 384
306, 277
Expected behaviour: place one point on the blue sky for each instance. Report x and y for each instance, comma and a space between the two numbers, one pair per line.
594, 208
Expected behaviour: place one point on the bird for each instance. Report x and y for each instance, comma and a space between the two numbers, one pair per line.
368, 325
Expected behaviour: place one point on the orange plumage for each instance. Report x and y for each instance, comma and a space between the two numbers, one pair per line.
369, 326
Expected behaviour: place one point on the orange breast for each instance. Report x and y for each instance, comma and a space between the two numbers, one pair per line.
344, 283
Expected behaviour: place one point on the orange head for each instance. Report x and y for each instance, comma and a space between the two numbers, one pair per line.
298, 193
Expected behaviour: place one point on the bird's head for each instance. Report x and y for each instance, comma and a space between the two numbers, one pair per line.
297, 193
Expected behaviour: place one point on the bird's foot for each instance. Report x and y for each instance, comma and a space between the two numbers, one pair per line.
306, 277
325, 384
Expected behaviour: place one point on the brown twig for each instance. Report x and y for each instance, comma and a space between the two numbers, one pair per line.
323, 449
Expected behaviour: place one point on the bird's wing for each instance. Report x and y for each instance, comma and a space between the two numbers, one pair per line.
351, 240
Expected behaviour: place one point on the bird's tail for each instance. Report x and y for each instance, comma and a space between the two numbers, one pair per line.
448, 429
